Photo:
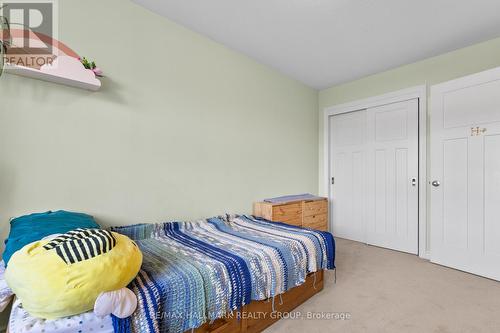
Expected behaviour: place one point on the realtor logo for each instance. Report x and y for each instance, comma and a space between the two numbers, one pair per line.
32, 32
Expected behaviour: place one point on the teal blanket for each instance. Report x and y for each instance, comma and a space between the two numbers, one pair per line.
30, 228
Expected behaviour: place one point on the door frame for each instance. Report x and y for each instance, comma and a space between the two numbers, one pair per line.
419, 92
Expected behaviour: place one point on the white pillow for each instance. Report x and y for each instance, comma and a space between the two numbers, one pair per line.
121, 303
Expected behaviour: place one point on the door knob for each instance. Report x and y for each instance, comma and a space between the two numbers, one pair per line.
414, 182
436, 183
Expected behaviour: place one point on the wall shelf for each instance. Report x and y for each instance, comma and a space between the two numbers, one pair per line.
64, 70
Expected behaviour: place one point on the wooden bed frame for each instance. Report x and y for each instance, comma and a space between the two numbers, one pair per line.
258, 315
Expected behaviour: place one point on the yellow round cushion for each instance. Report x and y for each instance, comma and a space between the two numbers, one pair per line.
62, 277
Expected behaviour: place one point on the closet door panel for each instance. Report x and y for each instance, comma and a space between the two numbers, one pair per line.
348, 167
392, 187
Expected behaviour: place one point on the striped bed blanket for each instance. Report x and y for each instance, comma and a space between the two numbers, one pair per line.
194, 272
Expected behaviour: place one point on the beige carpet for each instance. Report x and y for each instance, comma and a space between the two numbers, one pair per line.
389, 291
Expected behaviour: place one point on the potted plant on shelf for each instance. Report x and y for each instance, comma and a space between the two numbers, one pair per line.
90, 65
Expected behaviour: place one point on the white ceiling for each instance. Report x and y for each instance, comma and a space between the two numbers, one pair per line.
327, 42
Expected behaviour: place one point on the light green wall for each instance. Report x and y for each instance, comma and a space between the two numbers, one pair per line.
183, 127
434, 70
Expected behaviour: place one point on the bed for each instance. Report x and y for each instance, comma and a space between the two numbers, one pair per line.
22, 322
208, 275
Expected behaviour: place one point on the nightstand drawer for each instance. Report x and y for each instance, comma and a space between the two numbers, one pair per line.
296, 222
315, 207
288, 213
318, 222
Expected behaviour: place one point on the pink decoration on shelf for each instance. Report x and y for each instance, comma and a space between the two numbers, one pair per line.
72, 69
97, 71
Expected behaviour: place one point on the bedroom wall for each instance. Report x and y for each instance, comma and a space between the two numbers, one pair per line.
431, 71
183, 127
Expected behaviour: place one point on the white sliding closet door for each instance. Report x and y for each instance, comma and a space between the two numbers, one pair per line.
392, 195
348, 162
374, 164
465, 168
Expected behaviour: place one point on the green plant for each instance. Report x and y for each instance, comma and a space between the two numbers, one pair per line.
87, 64
91, 65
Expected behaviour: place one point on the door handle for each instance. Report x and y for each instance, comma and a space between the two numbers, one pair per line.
414, 182
436, 183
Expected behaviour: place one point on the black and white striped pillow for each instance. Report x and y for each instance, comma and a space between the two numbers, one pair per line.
81, 244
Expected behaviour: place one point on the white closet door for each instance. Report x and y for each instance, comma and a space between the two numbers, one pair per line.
348, 165
392, 196
465, 168
374, 158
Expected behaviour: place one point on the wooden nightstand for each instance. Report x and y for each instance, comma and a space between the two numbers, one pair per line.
306, 213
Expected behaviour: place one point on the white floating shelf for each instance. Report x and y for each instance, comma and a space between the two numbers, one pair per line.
64, 70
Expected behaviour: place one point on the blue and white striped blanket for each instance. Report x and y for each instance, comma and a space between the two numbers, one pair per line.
195, 272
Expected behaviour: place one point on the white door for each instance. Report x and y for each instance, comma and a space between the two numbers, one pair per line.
348, 163
374, 160
392, 195
465, 169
